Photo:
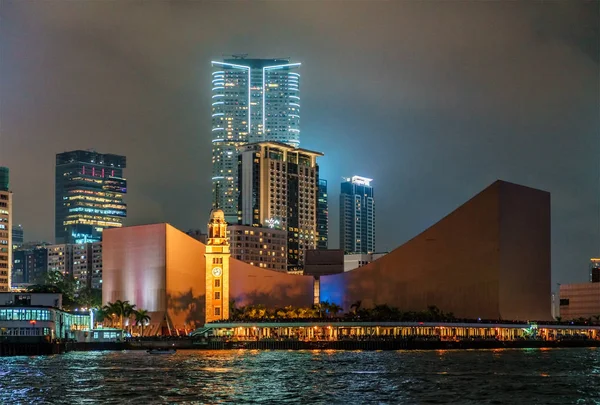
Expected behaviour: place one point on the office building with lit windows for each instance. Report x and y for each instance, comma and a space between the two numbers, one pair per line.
30, 264
17, 236
261, 247
322, 216
5, 230
89, 195
253, 100
357, 216
279, 187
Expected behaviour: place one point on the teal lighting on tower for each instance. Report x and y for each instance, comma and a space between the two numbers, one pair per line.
253, 100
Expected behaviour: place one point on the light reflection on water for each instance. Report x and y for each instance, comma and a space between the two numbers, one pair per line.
557, 376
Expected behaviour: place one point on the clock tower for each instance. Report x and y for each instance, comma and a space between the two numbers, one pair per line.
217, 268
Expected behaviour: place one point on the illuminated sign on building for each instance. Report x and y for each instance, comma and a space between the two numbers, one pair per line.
272, 223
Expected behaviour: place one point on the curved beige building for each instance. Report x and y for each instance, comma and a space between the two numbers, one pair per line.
488, 259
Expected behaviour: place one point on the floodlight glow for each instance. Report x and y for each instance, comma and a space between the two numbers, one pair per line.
361, 181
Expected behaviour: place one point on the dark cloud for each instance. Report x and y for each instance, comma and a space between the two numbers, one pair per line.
433, 100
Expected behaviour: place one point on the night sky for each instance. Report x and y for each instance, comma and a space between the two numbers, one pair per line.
433, 100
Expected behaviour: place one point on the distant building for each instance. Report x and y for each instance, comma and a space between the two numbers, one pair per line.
357, 216
17, 236
89, 194
30, 265
60, 258
580, 300
82, 261
261, 247
5, 230
253, 100
279, 187
197, 234
95, 264
595, 270
322, 216
356, 260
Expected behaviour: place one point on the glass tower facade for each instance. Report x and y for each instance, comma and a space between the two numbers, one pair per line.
357, 216
89, 194
253, 100
322, 215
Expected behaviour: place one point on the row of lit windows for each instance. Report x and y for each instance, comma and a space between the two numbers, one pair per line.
26, 315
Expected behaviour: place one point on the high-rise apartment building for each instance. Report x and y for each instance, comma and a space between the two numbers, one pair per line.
60, 258
279, 187
357, 216
322, 216
89, 195
82, 261
253, 100
17, 236
94, 256
5, 230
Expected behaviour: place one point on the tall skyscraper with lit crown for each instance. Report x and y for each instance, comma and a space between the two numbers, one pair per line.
253, 100
357, 216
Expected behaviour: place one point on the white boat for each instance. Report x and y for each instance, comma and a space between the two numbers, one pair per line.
161, 351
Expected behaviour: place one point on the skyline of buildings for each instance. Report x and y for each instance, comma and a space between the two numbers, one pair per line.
89, 189
81, 261
253, 100
5, 229
357, 216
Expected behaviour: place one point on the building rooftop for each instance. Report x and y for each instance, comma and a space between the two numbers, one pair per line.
91, 156
281, 145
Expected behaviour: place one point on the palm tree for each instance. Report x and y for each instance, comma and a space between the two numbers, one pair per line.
110, 311
122, 309
141, 317
356, 306
334, 309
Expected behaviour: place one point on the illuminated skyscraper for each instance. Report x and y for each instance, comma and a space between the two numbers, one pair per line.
253, 100
279, 187
5, 230
89, 195
357, 216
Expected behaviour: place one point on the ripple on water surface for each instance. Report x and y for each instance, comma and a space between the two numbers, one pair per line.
558, 376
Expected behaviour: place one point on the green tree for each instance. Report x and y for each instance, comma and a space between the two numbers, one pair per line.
141, 317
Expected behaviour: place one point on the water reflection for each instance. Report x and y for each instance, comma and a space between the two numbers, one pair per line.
241, 376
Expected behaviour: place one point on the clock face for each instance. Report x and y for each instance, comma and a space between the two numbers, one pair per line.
217, 271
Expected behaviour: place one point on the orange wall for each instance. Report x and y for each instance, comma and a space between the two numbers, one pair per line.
251, 285
185, 279
525, 260
460, 264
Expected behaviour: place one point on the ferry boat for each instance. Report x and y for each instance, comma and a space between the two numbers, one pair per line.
161, 351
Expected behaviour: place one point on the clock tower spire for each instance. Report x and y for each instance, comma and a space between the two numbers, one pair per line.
217, 268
